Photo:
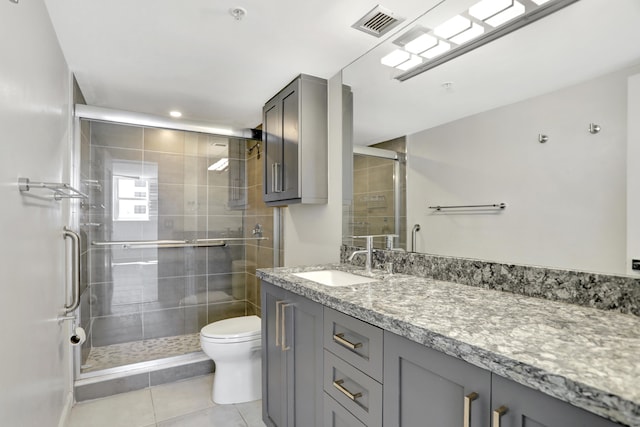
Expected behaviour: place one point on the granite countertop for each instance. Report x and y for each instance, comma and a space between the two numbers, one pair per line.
584, 356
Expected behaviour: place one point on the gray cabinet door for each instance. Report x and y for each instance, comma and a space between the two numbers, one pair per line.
292, 359
304, 351
426, 388
288, 179
274, 381
272, 140
526, 407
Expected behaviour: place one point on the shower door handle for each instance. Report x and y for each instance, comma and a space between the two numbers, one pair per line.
75, 274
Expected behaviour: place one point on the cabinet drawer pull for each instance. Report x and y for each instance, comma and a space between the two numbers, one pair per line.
285, 347
467, 408
339, 338
497, 414
353, 396
278, 322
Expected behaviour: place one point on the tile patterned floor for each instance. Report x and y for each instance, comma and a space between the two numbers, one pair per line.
180, 404
110, 356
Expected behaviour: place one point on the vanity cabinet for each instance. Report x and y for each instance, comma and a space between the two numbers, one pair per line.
294, 135
427, 388
352, 371
292, 359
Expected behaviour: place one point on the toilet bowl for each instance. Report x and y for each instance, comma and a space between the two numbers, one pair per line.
234, 345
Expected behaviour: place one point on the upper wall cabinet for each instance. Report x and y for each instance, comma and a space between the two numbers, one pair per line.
295, 143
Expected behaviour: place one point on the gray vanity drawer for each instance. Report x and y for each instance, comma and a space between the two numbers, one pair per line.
340, 331
358, 393
336, 416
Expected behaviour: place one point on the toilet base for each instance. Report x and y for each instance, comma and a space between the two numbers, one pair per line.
237, 382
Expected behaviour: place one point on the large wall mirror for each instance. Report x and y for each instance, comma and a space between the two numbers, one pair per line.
509, 122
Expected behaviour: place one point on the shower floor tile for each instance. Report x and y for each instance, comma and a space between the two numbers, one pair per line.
111, 356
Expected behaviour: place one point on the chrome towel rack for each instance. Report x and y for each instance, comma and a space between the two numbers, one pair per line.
60, 190
494, 205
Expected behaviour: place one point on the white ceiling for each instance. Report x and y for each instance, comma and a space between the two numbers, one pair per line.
153, 56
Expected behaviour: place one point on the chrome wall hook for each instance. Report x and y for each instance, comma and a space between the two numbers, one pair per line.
594, 128
542, 138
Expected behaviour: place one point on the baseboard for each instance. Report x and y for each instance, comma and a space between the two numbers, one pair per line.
66, 410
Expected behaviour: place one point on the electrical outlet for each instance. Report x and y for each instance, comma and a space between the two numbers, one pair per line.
635, 264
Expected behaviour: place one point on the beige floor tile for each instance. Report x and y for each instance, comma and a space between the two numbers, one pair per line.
217, 416
251, 413
133, 409
181, 398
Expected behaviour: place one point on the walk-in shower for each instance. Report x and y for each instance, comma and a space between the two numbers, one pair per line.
172, 233
379, 188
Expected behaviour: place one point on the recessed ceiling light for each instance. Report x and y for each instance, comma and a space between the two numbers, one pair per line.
175, 114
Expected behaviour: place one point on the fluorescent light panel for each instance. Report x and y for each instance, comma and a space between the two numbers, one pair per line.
421, 43
513, 12
540, 2
487, 8
439, 49
410, 63
473, 32
395, 58
220, 165
452, 27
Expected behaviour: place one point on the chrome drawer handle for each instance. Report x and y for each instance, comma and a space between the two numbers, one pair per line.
467, 408
497, 414
353, 396
339, 338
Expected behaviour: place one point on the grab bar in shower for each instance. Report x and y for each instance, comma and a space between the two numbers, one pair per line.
60, 190
75, 275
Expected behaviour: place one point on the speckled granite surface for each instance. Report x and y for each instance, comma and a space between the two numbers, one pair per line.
581, 355
601, 291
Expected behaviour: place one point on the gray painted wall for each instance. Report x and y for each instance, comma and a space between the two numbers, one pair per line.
34, 118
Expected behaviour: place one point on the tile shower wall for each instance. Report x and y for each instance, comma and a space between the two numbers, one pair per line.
154, 184
259, 253
372, 211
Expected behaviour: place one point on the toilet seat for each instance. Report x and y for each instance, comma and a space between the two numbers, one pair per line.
236, 329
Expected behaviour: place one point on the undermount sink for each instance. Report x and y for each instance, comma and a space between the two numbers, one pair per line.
334, 278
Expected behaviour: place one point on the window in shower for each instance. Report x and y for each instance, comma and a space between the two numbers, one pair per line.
149, 301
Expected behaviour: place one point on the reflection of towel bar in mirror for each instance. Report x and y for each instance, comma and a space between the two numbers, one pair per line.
495, 205
60, 190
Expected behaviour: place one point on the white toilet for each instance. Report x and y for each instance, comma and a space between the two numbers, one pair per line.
234, 345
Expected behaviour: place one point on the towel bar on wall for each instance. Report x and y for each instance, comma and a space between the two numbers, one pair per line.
60, 190
494, 205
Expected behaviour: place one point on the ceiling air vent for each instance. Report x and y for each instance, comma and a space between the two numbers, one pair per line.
377, 22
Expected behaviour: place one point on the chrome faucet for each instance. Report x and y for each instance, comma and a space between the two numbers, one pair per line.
368, 252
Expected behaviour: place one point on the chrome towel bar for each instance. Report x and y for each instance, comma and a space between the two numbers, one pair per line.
495, 205
142, 244
60, 190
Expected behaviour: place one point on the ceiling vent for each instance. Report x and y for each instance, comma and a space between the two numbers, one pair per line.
378, 21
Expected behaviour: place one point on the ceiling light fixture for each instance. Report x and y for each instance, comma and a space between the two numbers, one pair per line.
467, 31
395, 58
220, 165
410, 63
175, 114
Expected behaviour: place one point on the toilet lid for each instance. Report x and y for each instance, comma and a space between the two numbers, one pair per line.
236, 327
